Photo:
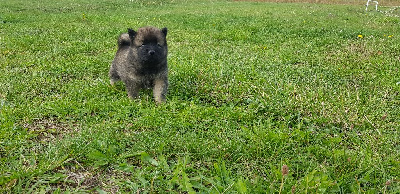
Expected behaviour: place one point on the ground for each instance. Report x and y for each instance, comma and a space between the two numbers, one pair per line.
264, 97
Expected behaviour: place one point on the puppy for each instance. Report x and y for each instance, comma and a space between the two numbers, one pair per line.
141, 62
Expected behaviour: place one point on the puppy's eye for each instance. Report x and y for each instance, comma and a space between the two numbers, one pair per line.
158, 44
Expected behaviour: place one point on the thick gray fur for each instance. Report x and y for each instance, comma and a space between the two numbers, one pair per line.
141, 62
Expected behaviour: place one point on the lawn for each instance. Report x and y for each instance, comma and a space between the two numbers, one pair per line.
255, 87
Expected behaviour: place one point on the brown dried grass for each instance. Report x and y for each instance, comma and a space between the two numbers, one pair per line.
84, 178
346, 2
49, 130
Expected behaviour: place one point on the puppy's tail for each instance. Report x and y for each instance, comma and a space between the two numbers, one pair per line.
124, 40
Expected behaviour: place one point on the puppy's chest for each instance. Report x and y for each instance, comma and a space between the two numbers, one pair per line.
147, 81
148, 69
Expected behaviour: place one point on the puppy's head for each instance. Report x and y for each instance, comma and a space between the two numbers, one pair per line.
150, 43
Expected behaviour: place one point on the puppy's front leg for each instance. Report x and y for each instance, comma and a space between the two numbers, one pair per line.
132, 88
160, 89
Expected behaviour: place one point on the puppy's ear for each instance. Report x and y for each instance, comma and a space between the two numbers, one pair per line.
131, 33
164, 31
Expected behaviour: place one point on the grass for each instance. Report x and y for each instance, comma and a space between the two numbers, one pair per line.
255, 87
343, 2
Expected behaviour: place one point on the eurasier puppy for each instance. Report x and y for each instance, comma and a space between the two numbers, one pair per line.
141, 62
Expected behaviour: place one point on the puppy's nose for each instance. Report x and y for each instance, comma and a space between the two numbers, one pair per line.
152, 52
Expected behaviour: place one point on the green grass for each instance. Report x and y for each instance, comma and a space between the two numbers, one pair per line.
253, 87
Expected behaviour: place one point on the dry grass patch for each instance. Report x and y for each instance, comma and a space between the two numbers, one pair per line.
49, 130
79, 177
349, 2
